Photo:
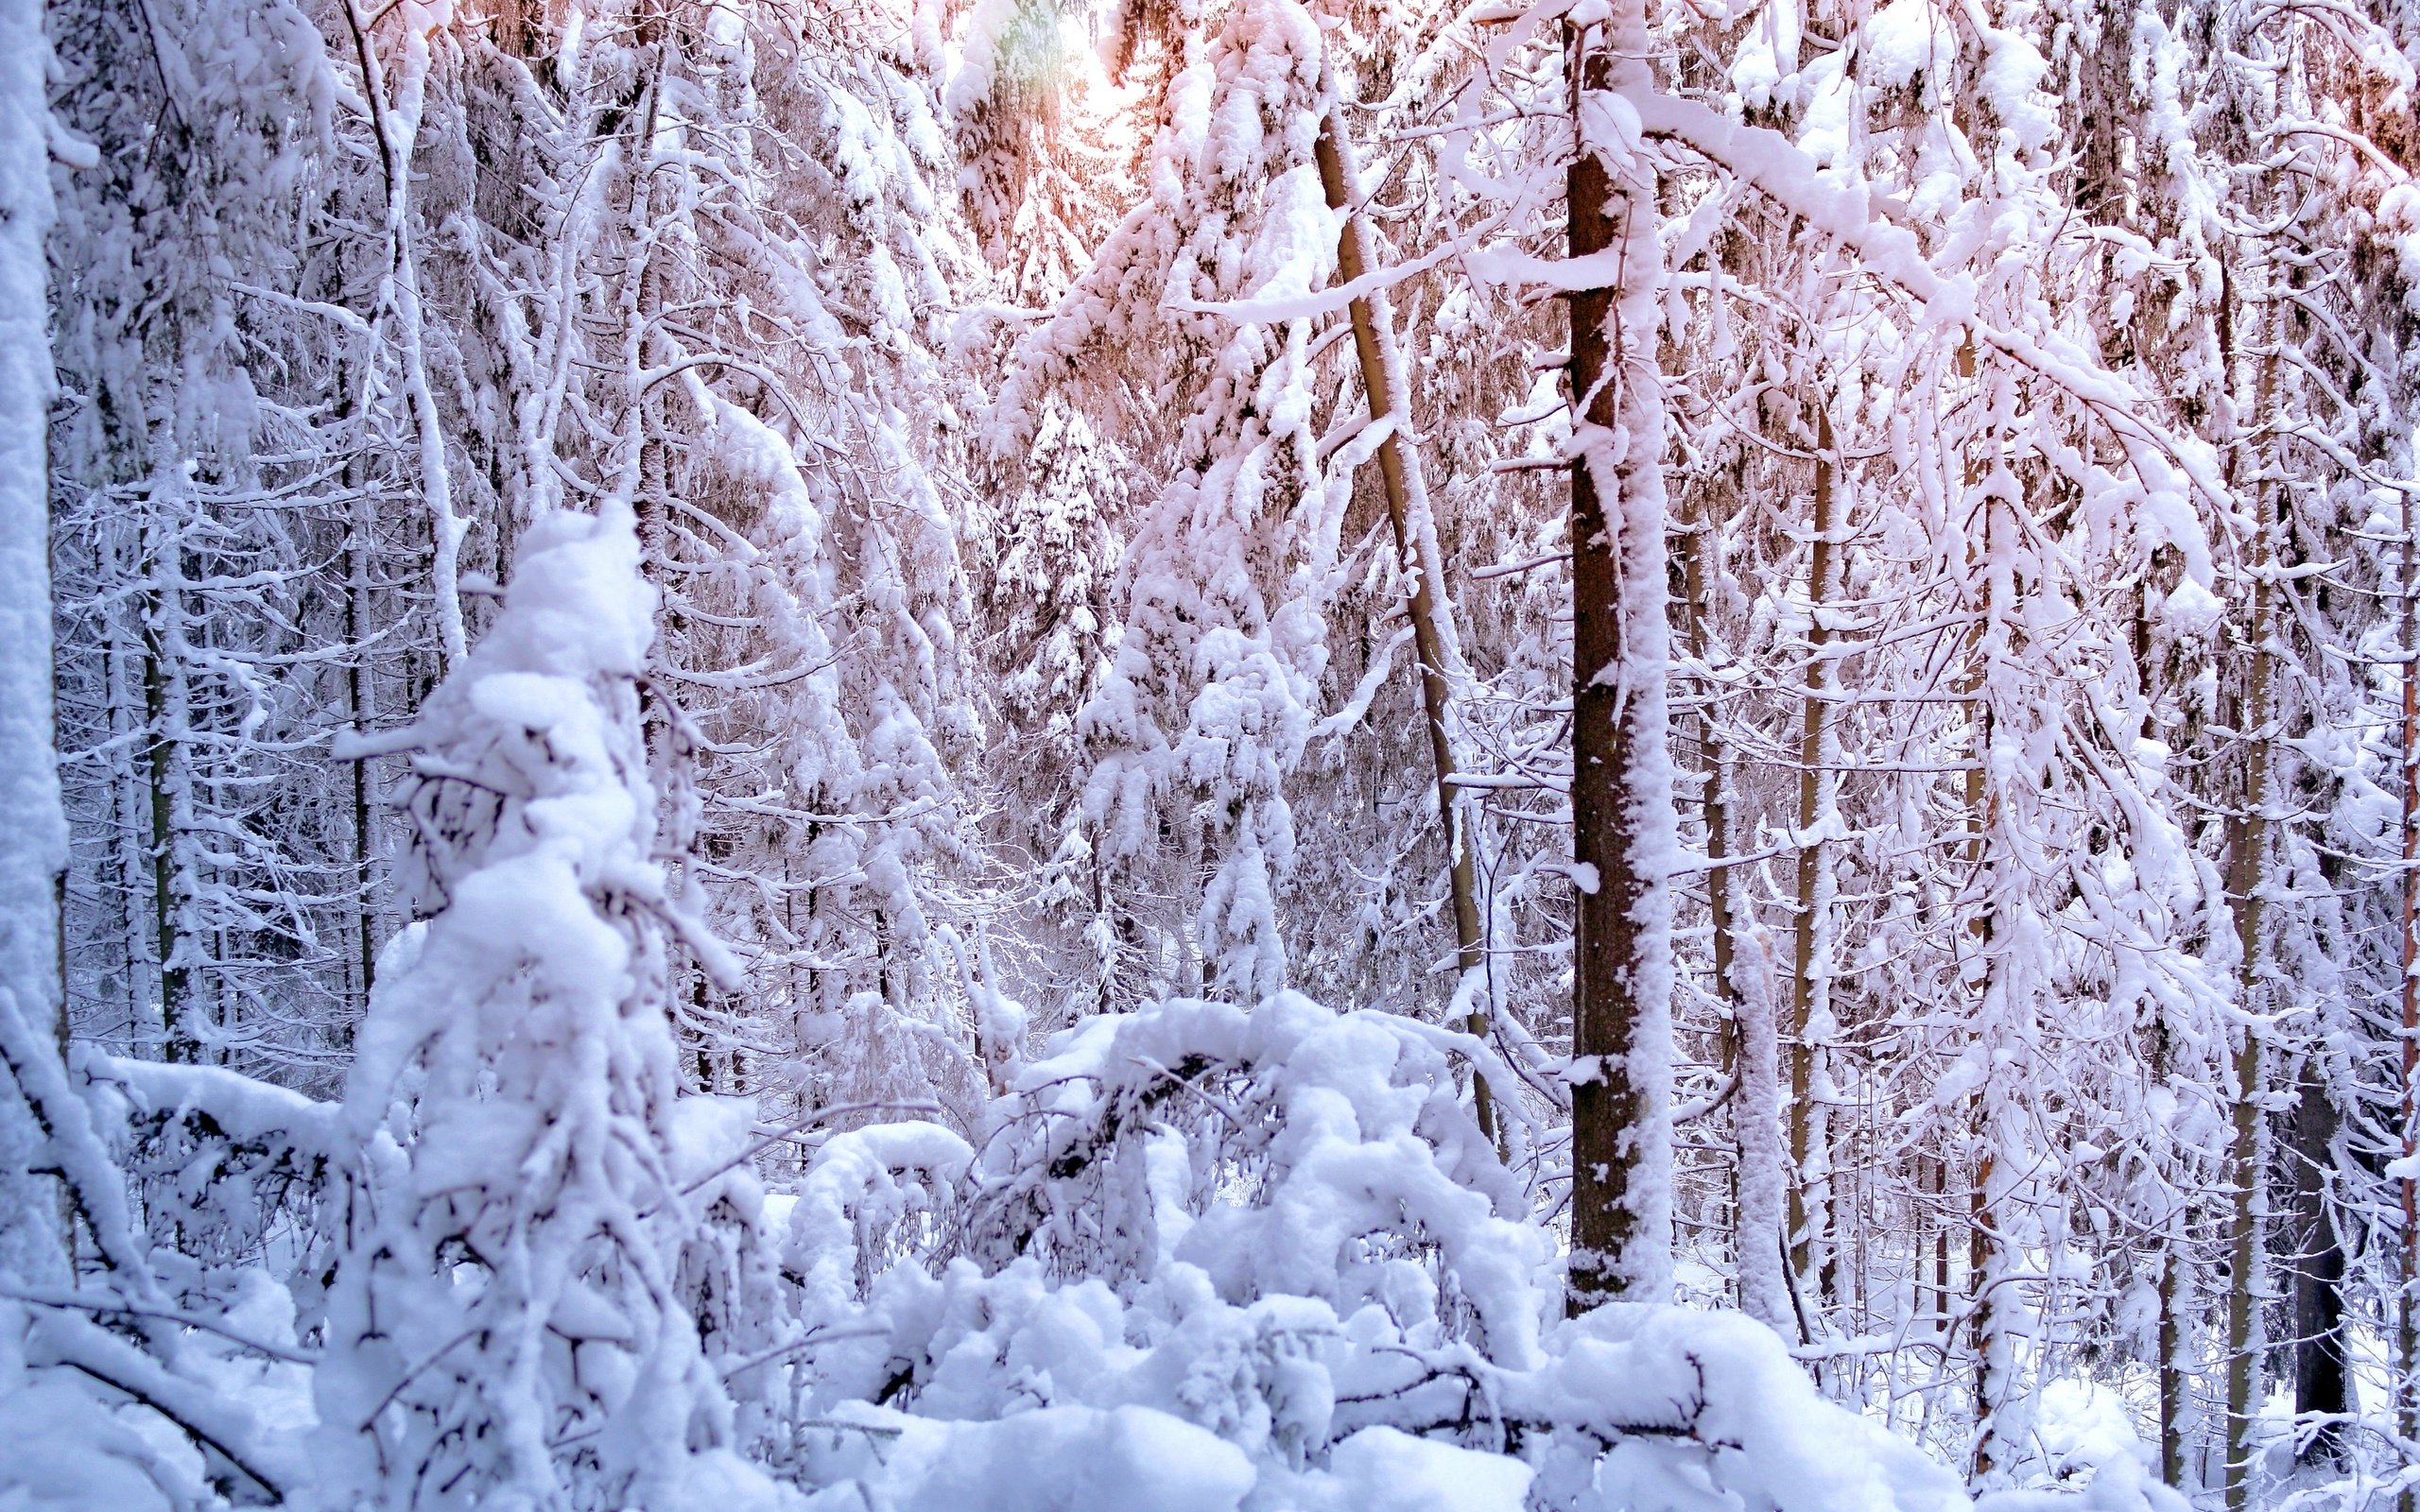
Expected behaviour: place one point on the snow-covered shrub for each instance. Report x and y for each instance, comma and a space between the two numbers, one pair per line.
229, 1174
1221, 1258
1284, 1149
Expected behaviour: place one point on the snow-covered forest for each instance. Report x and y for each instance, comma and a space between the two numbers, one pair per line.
1209, 755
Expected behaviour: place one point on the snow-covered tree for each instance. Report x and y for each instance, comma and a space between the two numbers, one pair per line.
507, 1327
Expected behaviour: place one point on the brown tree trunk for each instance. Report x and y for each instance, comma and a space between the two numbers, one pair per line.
1622, 821
1809, 1200
1415, 542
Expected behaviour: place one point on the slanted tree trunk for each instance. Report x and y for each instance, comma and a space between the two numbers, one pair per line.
1623, 829
1415, 532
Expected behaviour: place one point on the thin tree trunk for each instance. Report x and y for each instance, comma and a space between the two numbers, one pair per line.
1764, 1287
2407, 1319
1432, 636
160, 758
1744, 982
128, 851
2247, 852
2173, 1380
1981, 1270
2172, 1367
1714, 755
1984, 1305
395, 122
1941, 1243
1809, 1193
360, 693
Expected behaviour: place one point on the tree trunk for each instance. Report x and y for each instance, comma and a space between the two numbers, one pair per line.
2247, 851
161, 708
34, 1237
1982, 1270
360, 696
395, 104
1761, 1241
1743, 980
1623, 827
1810, 997
2407, 1318
2173, 1369
2320, 1385
1432, 637
1984, 1305
2170, 1369
1714, 757
129, 847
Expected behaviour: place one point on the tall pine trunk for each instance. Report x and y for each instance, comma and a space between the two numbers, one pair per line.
1623, 827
